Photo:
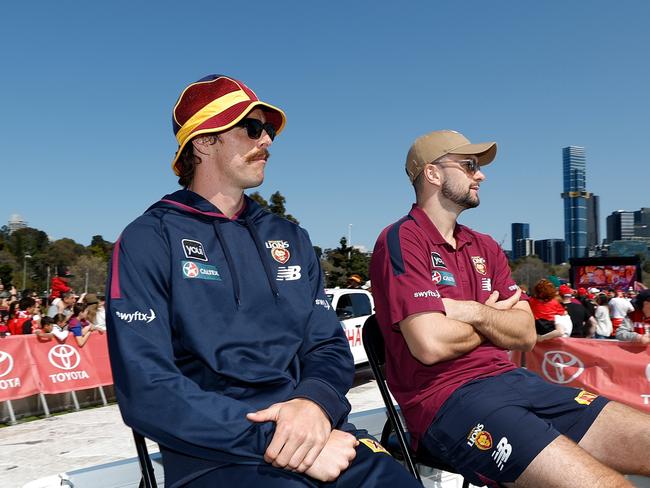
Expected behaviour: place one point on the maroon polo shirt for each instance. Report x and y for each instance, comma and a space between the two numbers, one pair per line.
412, 269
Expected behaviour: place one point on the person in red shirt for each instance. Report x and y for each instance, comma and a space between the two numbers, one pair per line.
545, 306
59, 285
449, 311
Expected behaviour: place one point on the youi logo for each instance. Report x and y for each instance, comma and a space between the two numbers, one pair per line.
194, 250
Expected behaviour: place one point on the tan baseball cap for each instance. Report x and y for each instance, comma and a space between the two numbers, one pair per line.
439, 143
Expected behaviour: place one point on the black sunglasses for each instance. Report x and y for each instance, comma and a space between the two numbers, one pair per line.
255, 127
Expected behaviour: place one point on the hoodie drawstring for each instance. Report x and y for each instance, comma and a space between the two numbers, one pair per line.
229, 261
260, 251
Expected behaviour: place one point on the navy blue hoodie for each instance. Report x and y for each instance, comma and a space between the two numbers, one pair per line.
210, 318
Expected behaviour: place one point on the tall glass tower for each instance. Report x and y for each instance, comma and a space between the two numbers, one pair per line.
520, 233
575, 197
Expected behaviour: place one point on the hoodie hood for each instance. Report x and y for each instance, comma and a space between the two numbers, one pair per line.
186, 201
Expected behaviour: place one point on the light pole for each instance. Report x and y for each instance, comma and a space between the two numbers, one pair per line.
25, 258
349, 240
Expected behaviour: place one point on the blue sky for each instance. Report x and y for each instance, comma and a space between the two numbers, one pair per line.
87, 90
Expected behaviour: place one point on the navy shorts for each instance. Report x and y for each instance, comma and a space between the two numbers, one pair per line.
491, 429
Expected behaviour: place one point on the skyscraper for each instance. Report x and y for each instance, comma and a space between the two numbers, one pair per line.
593, 221
550, 251
520, 234
642, 222
620, 226
575, 197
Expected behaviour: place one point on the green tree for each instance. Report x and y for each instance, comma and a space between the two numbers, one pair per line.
94, 268
338, 264
63, 253
529, 270
6, 275
100, 248
275, 206
27, 241
259, 199
4, 237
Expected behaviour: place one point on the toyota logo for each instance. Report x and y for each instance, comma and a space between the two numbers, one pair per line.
190, 270
64, 357
6, 363
561, 367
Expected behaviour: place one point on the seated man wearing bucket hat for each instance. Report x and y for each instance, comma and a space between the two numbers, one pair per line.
223, 345
449, 311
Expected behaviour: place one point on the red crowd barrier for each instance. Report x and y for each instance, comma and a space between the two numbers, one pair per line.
29, 366
618, 370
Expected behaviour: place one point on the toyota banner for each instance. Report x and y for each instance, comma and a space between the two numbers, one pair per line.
618, 370
29, 366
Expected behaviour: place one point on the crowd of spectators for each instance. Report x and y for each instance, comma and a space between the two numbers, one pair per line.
590, 313
55, 317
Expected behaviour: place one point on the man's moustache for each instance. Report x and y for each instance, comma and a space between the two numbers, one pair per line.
261, 154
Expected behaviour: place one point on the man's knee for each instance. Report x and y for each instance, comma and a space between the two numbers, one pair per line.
565, 464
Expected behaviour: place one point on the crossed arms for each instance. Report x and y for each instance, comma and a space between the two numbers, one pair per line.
434, 337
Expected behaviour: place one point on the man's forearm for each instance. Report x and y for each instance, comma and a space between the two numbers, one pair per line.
433, 338
512, 329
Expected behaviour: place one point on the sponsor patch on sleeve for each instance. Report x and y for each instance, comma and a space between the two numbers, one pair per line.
373, 445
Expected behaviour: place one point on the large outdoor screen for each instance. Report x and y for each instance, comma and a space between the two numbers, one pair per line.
606, 276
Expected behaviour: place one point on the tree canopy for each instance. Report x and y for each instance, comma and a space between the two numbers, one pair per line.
28, 258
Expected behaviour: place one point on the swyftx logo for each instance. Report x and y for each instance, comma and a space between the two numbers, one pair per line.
136, 316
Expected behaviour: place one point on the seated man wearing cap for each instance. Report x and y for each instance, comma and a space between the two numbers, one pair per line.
449, 311
224, 348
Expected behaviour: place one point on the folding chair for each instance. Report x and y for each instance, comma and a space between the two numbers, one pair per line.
393, 436
148, 479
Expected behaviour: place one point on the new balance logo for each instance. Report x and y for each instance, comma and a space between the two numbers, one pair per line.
502, 453
288, 273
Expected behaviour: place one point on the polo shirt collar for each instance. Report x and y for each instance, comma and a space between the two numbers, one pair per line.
461, 233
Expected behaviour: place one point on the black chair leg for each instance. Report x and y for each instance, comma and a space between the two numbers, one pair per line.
148, 479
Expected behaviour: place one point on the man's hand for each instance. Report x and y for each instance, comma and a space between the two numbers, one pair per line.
302, 430
503, 304
336, 456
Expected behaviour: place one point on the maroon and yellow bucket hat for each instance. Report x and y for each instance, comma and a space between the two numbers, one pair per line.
215, 103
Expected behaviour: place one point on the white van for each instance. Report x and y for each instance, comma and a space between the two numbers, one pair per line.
353, 307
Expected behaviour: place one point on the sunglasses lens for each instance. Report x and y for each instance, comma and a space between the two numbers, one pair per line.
470, 165
270, 130
255, 127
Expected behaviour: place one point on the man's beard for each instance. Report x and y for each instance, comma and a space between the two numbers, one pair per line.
462, 199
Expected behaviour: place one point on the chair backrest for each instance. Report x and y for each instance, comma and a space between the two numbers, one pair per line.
373, 343
148, 479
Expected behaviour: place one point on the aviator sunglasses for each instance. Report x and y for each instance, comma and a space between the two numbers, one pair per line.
255, 127
471, 166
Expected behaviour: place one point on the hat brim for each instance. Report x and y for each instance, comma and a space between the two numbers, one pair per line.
229, 118
485, 152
